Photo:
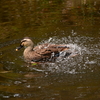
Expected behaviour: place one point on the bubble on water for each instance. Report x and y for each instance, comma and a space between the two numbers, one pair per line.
6, 97
16, 95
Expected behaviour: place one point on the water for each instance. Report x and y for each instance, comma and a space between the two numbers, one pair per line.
78, 75
75, 23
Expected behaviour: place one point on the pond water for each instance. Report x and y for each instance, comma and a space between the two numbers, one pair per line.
76, 23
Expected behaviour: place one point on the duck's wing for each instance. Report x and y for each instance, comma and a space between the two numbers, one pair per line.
47, 49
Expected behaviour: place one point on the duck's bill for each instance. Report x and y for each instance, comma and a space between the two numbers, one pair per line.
18, 48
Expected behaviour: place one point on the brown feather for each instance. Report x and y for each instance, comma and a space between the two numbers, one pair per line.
42, 52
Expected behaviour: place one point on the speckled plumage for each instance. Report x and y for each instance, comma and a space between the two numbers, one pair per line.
40, 53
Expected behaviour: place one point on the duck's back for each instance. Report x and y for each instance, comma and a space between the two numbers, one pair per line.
45, 49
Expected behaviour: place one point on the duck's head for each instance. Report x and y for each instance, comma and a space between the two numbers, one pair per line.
26, 42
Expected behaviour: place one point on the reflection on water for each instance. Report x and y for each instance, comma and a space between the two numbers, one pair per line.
72, 22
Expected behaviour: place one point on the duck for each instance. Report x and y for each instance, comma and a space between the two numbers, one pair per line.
42, 53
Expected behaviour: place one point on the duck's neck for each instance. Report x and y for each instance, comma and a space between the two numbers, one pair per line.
28, 49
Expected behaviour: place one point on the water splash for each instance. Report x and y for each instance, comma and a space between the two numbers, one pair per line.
88, 55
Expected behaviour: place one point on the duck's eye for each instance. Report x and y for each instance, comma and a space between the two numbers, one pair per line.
23, 41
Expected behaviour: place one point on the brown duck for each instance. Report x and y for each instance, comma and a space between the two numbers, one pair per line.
41, 53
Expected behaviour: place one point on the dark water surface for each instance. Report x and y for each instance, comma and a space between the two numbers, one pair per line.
73, 22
